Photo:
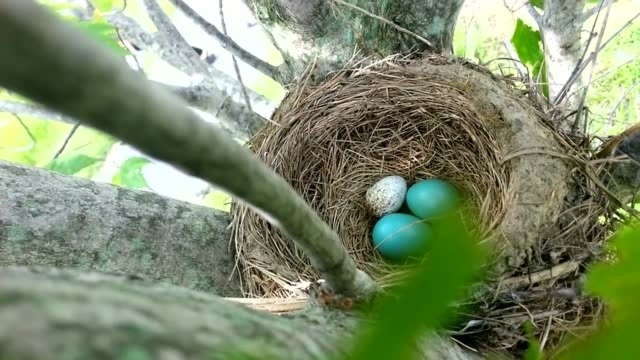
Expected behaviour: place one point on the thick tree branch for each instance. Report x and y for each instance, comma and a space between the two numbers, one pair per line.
329, 34
48, 219
232, 46
53, 63
59, 314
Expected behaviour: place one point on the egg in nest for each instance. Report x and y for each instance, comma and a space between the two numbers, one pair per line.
387, 195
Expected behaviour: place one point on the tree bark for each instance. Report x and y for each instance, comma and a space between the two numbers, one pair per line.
48, 219
61, 314
328, 33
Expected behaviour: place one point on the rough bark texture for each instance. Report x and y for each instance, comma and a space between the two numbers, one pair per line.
562, 23
54, 220
329, 32
51, 314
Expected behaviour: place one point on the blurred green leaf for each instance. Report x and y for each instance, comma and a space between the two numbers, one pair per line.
534, 351
537, 3
424, 302
130, 173
618, 284
72, 164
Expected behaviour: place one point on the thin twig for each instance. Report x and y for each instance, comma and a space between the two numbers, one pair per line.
580, 64
593, 66
606, 73
233, 58
397, 27
272, 305
233, 47
31, 137
589, 13
544, 275
66, 141
622, 28
135, 58
624, 96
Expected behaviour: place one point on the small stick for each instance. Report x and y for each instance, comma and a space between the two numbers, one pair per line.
397, 27
530, 279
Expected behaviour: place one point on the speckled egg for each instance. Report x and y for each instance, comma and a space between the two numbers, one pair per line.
432, 199
386, 195
400, 236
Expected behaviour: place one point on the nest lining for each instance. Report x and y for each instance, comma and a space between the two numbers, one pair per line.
337, 137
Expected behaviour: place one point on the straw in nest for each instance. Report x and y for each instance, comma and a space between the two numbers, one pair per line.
333, 139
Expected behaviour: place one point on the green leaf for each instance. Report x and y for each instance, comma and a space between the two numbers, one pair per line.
423, 303
539, 3
130, 173
70, 165
528, 45
618, 283
104, 33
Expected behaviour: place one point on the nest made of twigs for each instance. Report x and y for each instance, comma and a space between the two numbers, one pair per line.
332, 139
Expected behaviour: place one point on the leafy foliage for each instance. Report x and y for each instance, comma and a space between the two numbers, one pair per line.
528, 45
69, 165
423, 303
130, 173
618, 284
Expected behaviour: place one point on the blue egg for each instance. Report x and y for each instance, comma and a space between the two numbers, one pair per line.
432, 199
398, 236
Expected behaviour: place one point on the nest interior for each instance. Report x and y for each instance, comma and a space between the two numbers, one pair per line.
332, 139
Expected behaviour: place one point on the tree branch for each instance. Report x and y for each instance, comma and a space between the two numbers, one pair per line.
48, 219
15, 107
590, 12
167, 29
88, 82
49, 314
231, 116
160, 45
535, 14
232, 46
61, 314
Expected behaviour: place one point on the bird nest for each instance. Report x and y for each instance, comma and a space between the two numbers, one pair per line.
333, 138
